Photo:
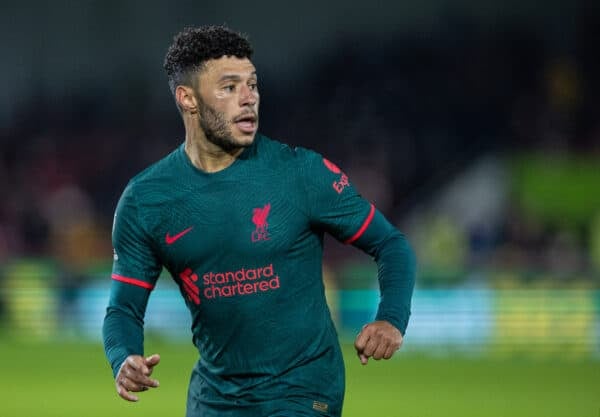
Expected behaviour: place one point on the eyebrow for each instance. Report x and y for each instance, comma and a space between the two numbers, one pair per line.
234, 77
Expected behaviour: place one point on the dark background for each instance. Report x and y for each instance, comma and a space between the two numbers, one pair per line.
474, 126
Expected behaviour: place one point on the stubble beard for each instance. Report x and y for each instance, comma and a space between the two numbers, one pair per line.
215, 128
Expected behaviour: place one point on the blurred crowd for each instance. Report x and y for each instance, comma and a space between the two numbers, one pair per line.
427, 126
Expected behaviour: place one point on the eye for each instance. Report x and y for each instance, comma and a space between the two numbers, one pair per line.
229, 88
253, 86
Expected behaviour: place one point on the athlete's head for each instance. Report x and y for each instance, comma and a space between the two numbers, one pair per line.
213, 80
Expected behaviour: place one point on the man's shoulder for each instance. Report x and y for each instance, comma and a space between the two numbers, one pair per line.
163, 170
281, 151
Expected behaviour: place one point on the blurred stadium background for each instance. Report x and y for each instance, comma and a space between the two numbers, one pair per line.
474, 126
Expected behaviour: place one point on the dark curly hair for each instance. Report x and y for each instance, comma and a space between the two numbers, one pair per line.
192, 47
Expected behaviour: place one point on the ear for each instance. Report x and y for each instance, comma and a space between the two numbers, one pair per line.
186, 99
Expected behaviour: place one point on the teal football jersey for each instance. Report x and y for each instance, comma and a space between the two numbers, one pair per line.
245, 247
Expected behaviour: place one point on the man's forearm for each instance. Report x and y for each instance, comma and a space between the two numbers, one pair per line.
123, 329
396, 270
123, 335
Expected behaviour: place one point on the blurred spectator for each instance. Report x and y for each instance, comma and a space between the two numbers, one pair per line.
77, 243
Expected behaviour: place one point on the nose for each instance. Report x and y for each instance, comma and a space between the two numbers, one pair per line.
248, 97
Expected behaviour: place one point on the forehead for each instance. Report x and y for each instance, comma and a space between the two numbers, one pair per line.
215, 69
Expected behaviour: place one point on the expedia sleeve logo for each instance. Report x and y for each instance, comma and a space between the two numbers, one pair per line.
342, 182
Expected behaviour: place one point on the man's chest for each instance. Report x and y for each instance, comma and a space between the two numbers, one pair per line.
228, 223
232, 240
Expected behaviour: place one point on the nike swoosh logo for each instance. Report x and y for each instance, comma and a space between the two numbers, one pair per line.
172, 239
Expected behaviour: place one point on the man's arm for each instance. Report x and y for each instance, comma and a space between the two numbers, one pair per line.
123, 336
334, 205
135, 271
396, 273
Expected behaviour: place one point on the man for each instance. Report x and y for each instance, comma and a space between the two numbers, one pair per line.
238, 220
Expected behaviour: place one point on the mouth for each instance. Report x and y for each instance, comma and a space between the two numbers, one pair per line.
246, 122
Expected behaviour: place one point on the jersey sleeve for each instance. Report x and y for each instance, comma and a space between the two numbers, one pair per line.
135, 262
335, 206
332, 203
134, 274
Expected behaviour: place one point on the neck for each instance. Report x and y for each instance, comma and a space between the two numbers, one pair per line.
205, 155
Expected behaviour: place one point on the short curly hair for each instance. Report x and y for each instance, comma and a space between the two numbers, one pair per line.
192, 47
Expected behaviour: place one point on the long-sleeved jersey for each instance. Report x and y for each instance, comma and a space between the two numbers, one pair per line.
245, 247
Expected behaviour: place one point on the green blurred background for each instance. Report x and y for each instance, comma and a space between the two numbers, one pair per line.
474, 126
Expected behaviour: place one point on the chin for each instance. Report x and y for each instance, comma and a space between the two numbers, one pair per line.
246, 140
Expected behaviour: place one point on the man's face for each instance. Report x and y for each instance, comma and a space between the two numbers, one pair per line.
228, 101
